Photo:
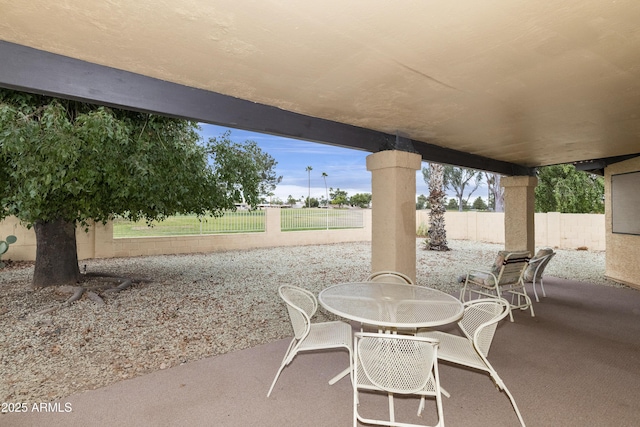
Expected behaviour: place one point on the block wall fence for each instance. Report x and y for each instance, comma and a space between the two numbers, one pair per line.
563, 231
553, 229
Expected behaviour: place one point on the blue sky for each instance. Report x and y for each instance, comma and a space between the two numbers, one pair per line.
346, 168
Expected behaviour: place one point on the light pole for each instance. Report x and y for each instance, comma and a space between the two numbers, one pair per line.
324, 176
309, 169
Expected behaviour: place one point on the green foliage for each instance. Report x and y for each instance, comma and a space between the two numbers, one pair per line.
422, 230
311, 202
452, 205
422, 202
265, 164
4, 246
291, 200
562, 188
338, 197
77, 162
459, 180
479, 204
361, 200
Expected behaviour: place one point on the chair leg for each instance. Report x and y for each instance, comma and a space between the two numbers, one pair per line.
515, 407
275, 379
355, 407
544, 294
501, 386
340, 376
392, 412
535, 293
284, 363
500, 296
463, 291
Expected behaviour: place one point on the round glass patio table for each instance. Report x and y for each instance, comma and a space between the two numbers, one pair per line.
391, 305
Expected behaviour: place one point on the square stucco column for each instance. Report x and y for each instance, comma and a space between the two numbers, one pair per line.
393, 216
519, 209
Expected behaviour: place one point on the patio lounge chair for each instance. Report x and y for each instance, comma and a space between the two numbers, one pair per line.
505, 277
535, 271
478, 325
302, 305
395, 364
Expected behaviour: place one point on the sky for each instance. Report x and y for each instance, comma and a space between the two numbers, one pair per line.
346, 168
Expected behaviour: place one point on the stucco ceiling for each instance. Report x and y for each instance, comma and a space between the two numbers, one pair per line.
526, 82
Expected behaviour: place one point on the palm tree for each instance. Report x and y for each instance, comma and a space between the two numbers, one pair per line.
309, 169
324, 175
437, 234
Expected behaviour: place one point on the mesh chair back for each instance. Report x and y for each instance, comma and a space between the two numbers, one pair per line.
543, 262
513, 267
481, 319
396, 363
301, 305
390, 276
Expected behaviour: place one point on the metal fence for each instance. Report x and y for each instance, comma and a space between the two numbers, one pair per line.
320, 219
241, 221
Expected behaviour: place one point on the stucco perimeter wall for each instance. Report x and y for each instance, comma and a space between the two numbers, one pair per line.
99, 242
623, 250
563, 231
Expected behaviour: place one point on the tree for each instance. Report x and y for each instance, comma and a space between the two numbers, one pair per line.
361, 200
437, 234
312, 202
338, 197
265, 164
291, 200
496, 192
458, 180
562, 188
324, 176
479, 204
309, 169
65, 163
421, 202
453, 205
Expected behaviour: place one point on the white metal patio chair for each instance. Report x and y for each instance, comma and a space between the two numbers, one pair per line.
478, 325
389, 276
302, 305
535, 272
505, 277
394, 277
395, 364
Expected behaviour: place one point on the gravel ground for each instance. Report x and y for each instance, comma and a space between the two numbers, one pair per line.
194, 306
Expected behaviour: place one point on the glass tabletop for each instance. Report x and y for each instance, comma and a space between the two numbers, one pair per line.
391, 305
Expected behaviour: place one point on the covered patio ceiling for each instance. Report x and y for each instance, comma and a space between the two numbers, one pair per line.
498, 85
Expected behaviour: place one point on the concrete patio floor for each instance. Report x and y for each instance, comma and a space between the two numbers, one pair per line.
576, 363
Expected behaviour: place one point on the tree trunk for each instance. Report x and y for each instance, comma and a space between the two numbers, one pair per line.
499, 195
56, 254
437, 235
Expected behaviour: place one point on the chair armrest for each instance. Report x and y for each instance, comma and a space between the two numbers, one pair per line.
487, 272
535, 261
488, 275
